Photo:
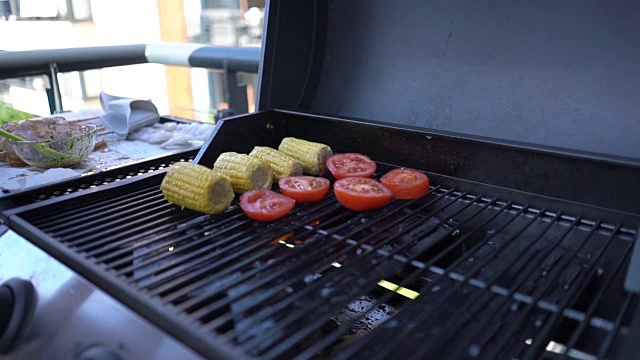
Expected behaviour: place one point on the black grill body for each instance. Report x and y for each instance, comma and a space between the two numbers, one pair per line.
523, 114
473, 269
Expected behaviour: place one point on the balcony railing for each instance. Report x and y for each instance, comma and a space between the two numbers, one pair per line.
49, 63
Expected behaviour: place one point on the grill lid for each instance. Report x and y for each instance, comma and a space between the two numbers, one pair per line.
554, 73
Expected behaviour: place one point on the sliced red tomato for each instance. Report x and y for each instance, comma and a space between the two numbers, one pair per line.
304, 188
358, 193
351, 165
406, 183
265, 205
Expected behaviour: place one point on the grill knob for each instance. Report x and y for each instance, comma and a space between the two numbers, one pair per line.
17, 304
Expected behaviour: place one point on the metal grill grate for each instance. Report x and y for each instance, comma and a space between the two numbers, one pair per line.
454, 274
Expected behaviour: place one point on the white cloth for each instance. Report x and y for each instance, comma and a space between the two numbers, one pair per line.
125, 115
173, 135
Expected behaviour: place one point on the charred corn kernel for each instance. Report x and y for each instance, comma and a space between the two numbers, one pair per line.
281, 164
197, 187
245, 172
312, 155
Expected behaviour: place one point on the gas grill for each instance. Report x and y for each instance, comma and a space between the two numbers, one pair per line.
520, 249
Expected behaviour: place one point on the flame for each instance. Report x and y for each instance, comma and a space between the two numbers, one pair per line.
283, 238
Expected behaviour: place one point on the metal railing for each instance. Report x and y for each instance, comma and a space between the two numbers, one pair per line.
50, 62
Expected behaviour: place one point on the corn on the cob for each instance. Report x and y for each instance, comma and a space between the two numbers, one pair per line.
197, 187
281, 164
312, 155
245, 172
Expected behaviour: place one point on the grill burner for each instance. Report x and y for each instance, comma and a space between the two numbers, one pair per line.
492, 276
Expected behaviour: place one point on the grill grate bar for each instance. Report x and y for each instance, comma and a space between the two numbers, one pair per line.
313, 268
79, 214
538, 346
513, 294
424, 314
233, 259
479, 305
139, 261
486, 298
596, 300
346, 224
371, 278
186, 284
261, 280
76, 236
187, 249
313, 263
108, 240
537, 300
99, 232
605, 348
439, 271
219, 261
110, 247
208, 267
335, 335
429, 266
115, 259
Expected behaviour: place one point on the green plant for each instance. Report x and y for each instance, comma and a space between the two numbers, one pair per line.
9, 114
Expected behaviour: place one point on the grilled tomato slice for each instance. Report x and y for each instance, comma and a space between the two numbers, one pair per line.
359, 193
265, 205
406, 183
351, 165
304, 188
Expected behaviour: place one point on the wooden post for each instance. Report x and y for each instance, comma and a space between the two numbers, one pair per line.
173, 28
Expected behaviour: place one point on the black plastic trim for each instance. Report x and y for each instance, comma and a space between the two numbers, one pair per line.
23, 307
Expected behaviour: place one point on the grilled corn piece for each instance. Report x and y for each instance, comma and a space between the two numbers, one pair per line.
281, 164
245, 172
197, 187
312, 155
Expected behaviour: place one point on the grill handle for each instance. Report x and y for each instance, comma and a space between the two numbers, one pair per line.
17, 304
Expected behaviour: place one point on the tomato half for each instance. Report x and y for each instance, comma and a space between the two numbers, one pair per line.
304, 188
358, 193
406, 183
351, 165
265, 205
